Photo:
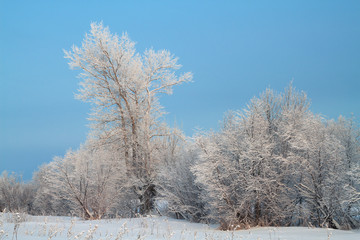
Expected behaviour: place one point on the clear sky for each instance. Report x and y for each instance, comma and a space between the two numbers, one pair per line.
235, 50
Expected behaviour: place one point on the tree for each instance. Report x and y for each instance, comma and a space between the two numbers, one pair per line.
123, 88
87, 181
241, 167
331, 184
15, 195
348, 133
176, 183
276, 163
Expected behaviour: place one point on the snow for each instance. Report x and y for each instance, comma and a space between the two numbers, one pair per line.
152, 227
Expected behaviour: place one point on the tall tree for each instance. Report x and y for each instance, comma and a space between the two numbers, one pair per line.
123, 88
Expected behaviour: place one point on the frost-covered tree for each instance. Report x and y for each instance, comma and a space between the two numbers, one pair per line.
321, 167
87, 181
241, 167
291, 140
123, 87
331, 184
15, 195
348, 133
177, 188
276, 163
46, 200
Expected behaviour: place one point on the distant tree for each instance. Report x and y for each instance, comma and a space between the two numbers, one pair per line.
123, 88
15, 195
88, 180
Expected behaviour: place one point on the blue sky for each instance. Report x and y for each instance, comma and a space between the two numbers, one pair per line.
235, 50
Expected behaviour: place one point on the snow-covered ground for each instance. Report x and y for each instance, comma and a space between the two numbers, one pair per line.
35, 227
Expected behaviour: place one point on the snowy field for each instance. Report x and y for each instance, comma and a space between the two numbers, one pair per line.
151, 228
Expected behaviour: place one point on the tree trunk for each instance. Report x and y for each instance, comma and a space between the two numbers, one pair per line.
147, 199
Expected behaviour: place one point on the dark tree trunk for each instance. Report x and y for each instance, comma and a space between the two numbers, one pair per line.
147, 199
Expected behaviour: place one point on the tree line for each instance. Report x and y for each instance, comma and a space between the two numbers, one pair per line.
274, 163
